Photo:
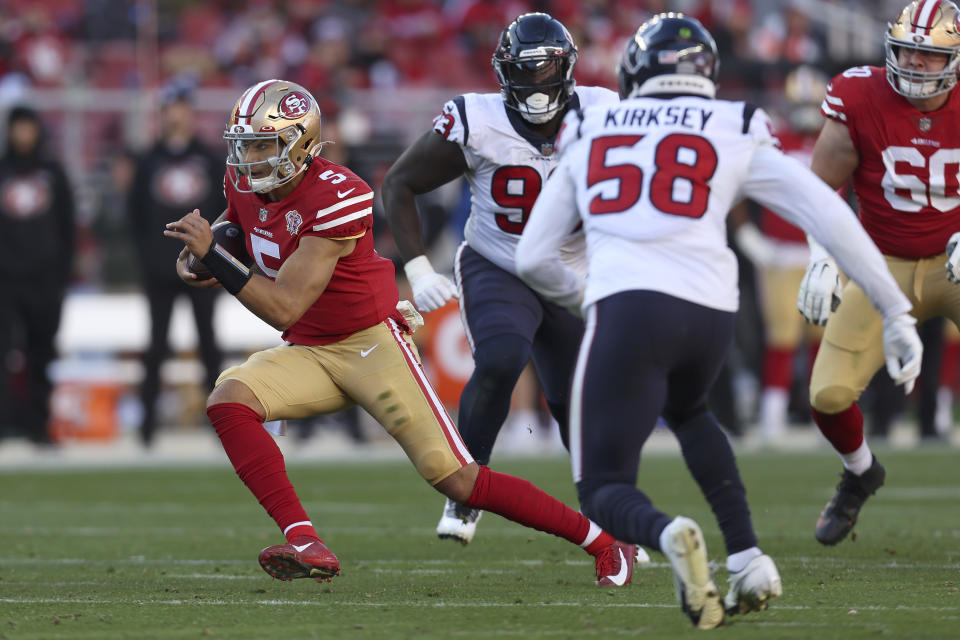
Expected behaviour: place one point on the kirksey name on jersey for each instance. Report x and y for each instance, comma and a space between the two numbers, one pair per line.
507, 169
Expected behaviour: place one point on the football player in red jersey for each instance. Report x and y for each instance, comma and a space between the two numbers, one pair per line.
308, 224
894, 131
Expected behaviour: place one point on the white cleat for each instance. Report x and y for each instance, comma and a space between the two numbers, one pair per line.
458, 522
642, 556
752, 588
682, 542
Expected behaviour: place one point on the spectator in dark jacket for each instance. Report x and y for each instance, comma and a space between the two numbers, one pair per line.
179, 173
36, 258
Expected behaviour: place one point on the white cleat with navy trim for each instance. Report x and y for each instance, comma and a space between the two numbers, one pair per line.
682, 542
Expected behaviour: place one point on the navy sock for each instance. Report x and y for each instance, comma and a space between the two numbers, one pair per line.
625, 512
710, 459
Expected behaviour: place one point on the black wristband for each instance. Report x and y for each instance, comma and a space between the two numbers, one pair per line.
229, 271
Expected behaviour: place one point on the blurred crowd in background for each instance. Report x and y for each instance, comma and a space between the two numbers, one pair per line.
102, 74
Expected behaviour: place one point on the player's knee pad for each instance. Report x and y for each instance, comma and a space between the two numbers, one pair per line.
501, 358
833, 399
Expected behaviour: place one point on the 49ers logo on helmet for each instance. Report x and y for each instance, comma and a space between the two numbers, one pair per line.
294, 105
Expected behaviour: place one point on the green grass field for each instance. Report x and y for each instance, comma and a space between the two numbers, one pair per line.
171, 553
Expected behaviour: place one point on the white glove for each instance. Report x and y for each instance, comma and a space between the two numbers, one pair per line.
903, 349
410, 315
755, 246
820, 291
953, 258
430, 289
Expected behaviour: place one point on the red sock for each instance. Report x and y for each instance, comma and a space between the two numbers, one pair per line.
777, 367
949, 365
519, 500
259, 463
844, 430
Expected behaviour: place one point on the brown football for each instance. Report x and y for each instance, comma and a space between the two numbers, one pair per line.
229, 236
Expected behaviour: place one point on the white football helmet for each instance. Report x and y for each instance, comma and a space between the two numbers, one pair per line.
924, 25
283, 113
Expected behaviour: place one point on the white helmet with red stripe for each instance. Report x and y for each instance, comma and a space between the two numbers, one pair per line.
282, 113
932, 26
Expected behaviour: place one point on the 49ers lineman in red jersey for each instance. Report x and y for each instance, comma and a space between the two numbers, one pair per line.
307, 223
894, 130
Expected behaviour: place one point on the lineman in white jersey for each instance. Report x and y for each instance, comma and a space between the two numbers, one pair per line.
505, 169
503, 143
652, 181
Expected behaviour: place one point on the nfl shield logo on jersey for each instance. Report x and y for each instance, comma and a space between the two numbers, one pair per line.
925, 124
263, 214
293, 222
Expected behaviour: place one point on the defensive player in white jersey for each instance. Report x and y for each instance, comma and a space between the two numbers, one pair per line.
503, 143
652, 180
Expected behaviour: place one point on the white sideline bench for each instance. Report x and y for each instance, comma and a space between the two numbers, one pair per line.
102, 336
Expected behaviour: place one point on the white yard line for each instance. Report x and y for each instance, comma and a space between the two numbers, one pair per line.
430, 605
383, 563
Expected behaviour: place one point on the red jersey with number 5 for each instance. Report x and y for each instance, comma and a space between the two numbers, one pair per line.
909, 173
330, 202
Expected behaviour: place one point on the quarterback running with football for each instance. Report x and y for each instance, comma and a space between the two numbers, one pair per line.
894, 131
307, 223
652, 180
503, 144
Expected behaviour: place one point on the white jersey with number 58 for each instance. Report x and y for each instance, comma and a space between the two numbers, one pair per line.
656, 179
506, 170
652, 181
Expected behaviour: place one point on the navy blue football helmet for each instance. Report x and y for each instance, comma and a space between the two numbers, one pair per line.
669, 54
534, 62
